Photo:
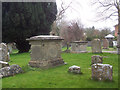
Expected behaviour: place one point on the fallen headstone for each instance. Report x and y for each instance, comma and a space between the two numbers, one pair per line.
74, 69
10, 70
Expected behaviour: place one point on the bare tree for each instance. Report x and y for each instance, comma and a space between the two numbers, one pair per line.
109, 9
59, 17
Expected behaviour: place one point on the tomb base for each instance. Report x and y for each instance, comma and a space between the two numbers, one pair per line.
46, 63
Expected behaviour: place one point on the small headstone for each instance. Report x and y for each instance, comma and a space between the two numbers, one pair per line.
96, 46
9, 47
11, 70
75, 69
79, 47
102, 72
4, 54
96, 59
105, 44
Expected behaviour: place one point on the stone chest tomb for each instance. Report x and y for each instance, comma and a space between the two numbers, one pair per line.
79, 47
45, 51
102, 72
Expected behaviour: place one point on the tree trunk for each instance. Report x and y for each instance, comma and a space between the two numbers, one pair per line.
22, 46
118, 38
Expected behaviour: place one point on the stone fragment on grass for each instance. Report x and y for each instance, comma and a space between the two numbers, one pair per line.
75, 69
10, 70
96, 59
3, 64
102, 72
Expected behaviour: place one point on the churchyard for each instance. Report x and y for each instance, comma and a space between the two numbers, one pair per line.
59, 77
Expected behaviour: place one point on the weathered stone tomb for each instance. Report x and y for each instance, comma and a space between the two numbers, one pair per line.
102, 72
45, 51
79, 47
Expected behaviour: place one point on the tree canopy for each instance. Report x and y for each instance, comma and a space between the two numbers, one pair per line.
22, 20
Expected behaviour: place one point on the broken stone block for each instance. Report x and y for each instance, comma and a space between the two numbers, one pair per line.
102, 72
3, 64
96, 59
10, 70
74, 69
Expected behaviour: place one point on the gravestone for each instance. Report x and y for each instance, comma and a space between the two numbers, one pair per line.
110, 38
10, 47
79, 47
102, 72
105, 44
96, 59
45, 51
4, 54
96, 46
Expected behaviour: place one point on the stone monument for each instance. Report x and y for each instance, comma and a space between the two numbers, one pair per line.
105, 44
45, 51
96, 59
102, 72
4, 54
79, 47
110, 38
96, 46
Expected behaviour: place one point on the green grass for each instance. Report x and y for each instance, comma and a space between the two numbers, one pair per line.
58, 77
90, 50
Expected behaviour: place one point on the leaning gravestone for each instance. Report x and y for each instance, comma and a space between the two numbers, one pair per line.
4, 54
96, 46
45, 51
96, 59
102, 72
79, 47
105, 44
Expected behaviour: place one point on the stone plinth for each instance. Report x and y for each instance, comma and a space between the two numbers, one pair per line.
45, 51
79, 47
102, 72
96, 59
96, 46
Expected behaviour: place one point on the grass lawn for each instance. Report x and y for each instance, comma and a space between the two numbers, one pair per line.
58, 77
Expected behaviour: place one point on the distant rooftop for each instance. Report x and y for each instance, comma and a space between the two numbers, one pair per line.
109, 36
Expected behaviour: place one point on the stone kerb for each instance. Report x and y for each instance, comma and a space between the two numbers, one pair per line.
45, 51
